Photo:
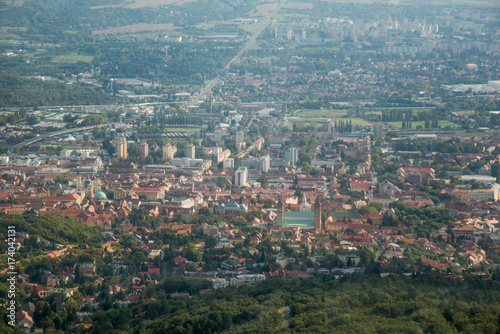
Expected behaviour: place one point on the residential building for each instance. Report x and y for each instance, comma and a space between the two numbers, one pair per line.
228, 163
378, 131
239, 137
143, 150
169, 151
291, 155
240, 176
262, 163
220, 157
190, 151
121, 148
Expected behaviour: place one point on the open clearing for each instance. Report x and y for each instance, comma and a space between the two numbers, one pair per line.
134, 28
298, 5
264, 9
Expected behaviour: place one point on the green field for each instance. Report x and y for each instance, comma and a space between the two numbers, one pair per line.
73, 58
251, 27
206, 25
182, 129
442, 124
321, 113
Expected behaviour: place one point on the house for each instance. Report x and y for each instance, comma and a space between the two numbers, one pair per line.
24, 320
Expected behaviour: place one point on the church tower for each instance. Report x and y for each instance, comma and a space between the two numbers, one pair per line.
281, 207
304, 206
317, 214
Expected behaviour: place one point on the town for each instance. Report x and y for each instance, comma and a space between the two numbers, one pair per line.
271, 150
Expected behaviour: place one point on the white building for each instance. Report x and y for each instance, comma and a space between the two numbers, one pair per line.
240, 176
190, 151
252, 279
219, 283
228, 163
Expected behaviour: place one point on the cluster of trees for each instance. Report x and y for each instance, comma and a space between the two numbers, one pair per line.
13, 117
54, 228
16, 90
343, 126
164, 118
354, 304
442, 146
308, 148
304, 127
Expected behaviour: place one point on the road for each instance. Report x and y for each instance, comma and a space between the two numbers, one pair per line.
45, 136
267, 20
286, 316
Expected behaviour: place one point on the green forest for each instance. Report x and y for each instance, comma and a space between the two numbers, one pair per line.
54, 228
355, 304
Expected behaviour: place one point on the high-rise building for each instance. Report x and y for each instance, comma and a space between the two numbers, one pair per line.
265, 163
240, 176
262, 163
143, 150
291, 155
218, 136
169, 151
190, 151
121, 148
228, 163
239, 137
378, 131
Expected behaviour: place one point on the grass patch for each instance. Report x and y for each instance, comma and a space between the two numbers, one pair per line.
73, 58
321, 113
206, 25
442, 124
183, 129
251, 27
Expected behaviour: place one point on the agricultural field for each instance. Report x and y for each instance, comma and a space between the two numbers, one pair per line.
442, 124
263, 9
134, 28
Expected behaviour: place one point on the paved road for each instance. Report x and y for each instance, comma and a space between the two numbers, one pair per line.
45, 136
267, 20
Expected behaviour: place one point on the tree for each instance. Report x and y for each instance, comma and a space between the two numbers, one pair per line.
306, 168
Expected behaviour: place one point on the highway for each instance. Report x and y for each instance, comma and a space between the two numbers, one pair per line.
48, 135
267, 20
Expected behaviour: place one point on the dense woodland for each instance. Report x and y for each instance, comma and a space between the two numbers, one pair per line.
356, 304
53, 228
